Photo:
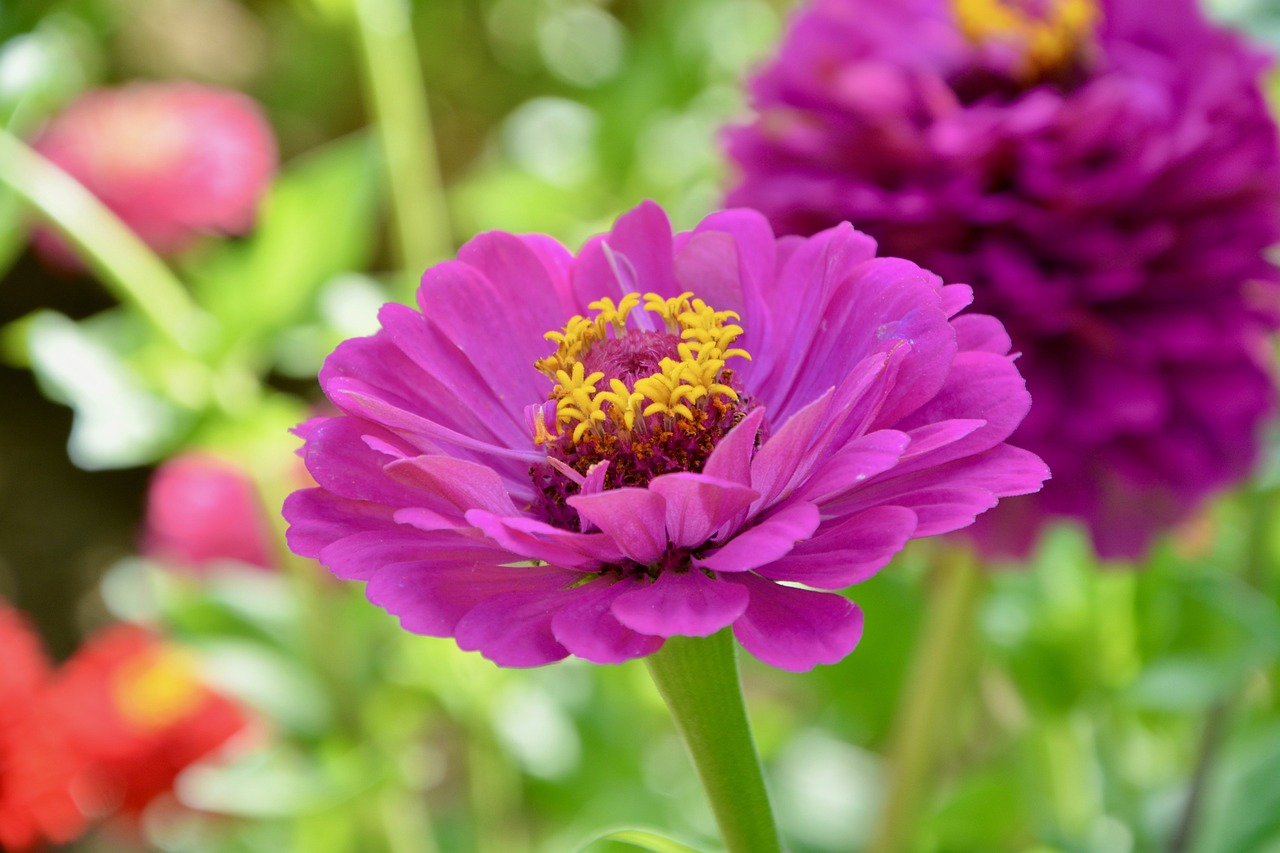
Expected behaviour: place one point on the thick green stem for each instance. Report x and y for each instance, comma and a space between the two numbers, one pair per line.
698, 679
397, 99
924, 702
121, 260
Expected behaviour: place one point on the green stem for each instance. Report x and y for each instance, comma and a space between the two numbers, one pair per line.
121, 260
398, 101
925, 701
698, 679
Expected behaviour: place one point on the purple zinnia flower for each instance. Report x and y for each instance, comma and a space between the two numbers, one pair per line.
1106, 176
576, 455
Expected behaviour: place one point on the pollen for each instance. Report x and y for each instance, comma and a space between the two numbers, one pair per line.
1050, 32
645, 384
156, 690
614, 378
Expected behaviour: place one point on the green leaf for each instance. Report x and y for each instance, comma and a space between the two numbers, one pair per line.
643, 839
318, 222
119, 421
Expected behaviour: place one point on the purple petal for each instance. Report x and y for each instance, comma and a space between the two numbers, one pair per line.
514, 628
454, 485
588, 628
879, 305
980, 385
687, 603
950, 496
537, 265
796, 629
634, 518
849, 552
699, 505
318, 518
438, 381
375, 407
981, 332
361, 555
814, 267
731, 458
776, 466
641, 242
766, 542
857, 461
481, 319
431, 598
537, 540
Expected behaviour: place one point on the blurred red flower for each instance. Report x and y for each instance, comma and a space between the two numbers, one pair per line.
36, 765
136, 709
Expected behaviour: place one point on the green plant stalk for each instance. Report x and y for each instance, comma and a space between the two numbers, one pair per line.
925, 700
126, 266
698, 679
397, 99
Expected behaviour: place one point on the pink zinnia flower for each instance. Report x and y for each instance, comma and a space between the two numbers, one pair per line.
173, 160
576, 455
201, 511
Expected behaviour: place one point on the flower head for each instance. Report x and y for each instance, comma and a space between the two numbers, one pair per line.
36, 765
1105, 176
173, 160
201, 511
136, 709
660, 436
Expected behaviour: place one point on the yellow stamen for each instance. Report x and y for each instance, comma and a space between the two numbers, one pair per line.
155, 690
1049, 41
673, 391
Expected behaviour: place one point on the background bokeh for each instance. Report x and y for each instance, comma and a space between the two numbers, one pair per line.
1084, 706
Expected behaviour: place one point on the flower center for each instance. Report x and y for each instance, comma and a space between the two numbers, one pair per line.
1049, 32
156, 690
637, 394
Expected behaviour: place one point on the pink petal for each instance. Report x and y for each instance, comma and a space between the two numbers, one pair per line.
848, 552
981, 385
774, 468
766, 542
981, 332
361, 555
796, 629
634, 518
588, 628
537, 540
514, 629
642, 237
856, 462
731, 458
687, 603
481, 320
698, 505
431, 598
454, 484
317, 518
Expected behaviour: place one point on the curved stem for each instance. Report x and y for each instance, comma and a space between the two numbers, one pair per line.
398, 101
698, 679
1257, 558
122, 261
924, 701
